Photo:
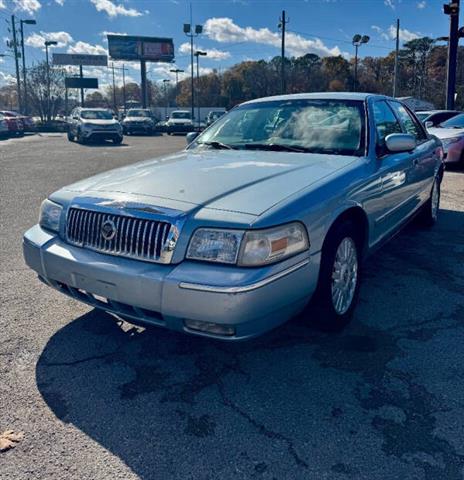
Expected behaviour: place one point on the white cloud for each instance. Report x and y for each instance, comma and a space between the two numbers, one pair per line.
6, 78
212, 53
2, 4
390, 33
421, 5
37, 40
390, 3
84, 47
28, 6
225, 30
114, 10
405, 35
60, 2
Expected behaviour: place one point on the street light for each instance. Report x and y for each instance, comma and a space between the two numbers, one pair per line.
165, 84
199, 54
25, 22
48, 43
357, 41
177, 71
192, 35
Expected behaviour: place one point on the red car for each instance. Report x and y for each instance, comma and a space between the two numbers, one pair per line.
15, 123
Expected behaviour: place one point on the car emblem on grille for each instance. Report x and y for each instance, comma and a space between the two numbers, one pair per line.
108, 230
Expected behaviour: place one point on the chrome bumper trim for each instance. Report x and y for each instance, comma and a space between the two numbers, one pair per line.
244, 288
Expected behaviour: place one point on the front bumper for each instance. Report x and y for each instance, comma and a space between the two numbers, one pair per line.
102, 134
138, 128
250, 300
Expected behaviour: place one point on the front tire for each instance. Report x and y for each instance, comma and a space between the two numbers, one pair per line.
339, 278
117, 140
70, 137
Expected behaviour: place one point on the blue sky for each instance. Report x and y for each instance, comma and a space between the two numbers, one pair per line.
235, 30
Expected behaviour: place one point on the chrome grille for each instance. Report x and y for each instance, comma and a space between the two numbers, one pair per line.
137, 238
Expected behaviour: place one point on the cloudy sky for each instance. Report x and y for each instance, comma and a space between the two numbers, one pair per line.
234, 30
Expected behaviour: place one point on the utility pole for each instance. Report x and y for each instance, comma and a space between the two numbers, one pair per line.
177, 71
22, 23
357, 41
16, 55
166, 98
282, 22
114, 89
397, 52
452, 9
188, 30
124, 87
199, 53
48, 43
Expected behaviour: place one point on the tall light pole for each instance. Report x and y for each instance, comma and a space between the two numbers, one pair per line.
16, 56
192, 34
452, 9
397, 56
48, 43
165, 84
282, 24
177, 71
22, 23
357, 41
199, 54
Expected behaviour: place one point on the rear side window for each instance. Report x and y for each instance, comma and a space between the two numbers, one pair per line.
385, 122
410, 124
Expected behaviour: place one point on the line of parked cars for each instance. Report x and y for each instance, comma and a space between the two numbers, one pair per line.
13, 124
89, 124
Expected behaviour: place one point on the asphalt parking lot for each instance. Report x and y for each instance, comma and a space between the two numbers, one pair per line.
384, 399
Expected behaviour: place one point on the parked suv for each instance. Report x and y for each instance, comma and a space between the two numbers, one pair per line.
94, 124
180, 121
139, 120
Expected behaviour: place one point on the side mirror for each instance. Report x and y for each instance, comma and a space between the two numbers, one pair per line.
400, 142
428, 124
191, 137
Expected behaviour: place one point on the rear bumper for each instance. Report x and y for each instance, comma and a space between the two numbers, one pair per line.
454, 152
250, 301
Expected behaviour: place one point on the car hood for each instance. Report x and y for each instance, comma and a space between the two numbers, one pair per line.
446, 132
137, 119
241, 181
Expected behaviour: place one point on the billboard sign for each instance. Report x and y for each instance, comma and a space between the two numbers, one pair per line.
80, 59
80, 82
150, 49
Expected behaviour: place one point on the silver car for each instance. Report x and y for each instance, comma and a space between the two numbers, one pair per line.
87, 124
268, 213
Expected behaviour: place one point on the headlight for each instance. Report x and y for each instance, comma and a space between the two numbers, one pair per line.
50, 214
248, 248
262, 247
215, 245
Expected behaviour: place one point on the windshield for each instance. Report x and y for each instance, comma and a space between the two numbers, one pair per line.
455, 122
313, 126
138, 113
96, 115
180, 115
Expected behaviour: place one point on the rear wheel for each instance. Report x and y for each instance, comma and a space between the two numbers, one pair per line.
339, 278
429, 214
117, 140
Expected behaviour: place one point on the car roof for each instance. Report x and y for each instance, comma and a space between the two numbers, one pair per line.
322, 96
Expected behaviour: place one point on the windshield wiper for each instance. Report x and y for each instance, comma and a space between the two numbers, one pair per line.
218, 145
276, 147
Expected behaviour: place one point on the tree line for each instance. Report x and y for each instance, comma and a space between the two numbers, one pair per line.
421, 74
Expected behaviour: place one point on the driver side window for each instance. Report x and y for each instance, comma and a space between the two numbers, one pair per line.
385, 124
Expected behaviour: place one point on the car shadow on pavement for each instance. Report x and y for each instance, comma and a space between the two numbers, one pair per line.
295, 403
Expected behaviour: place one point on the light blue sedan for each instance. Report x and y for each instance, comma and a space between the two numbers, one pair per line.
267, 213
